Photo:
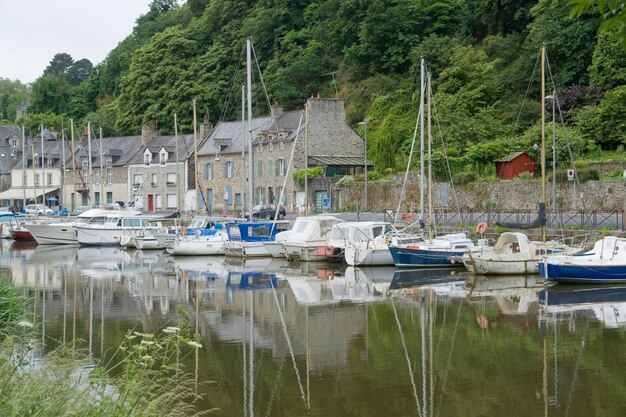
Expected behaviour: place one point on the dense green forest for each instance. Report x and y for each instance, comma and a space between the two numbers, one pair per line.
483, 56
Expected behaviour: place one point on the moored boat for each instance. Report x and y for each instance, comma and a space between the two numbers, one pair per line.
604, 264
442, 251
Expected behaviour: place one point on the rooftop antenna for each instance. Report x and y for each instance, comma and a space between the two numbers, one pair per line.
332, 74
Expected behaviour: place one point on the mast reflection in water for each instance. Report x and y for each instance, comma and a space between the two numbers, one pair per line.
314, 339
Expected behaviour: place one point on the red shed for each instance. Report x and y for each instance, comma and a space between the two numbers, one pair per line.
514, 164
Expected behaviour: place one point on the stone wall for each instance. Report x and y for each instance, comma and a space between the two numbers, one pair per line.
499, 196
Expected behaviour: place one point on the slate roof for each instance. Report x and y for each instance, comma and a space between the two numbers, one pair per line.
234, 133
185, 148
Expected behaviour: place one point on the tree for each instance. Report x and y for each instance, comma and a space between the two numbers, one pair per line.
613, 13
79, 71
608, 65
605, 124
50, 94
12, 94
60, 64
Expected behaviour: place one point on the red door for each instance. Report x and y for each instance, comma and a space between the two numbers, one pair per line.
150, 202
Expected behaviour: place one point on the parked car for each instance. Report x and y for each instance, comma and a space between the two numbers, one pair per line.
38, 209
266, 211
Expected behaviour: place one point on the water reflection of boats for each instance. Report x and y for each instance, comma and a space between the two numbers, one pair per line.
55, 254
514, 294
404, 278
607, 304
200, 267
23, 245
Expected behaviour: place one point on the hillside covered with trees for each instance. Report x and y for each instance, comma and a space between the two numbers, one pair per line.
483, 56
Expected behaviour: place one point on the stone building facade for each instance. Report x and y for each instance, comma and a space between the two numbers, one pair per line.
317, 131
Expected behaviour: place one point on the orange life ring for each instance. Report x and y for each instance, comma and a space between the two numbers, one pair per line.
416, 247
481, 228
184, 231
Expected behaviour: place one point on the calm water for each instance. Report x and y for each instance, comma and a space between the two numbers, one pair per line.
344, 342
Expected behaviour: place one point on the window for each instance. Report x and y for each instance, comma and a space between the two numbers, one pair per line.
108, 161
260, 168
109, 197
162, 157
155, 179
137, 179
270, 168
228, 194
85, 164
171, 201
109, 176
206, 172
158, 201
48, 179
97, 198
97, 177
211, 176
147, 156
49, 162
224, 169
171, 178
36, 179
238, 199
231, 168
281, 168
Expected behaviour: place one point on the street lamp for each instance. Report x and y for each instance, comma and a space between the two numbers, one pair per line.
553, 98
364, 123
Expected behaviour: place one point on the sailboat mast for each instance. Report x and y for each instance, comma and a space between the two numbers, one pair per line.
195, 157
62, 193
430, 166
43, 173
73, 165
89, 160
543, 135
178, 205
422, 182
243, 148
24, 168
250, 153
102, 198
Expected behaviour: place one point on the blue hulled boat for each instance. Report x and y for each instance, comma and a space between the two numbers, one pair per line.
605, 264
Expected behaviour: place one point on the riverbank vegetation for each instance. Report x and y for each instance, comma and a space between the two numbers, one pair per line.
482, 54
142, 378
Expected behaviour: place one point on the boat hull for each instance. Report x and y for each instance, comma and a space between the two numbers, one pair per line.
53, 234
196, 247
584, 273
368, 257
22, 235
409, 257
500, 267
307, 252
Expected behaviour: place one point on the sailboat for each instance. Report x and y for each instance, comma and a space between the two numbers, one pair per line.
442, 250
515, 253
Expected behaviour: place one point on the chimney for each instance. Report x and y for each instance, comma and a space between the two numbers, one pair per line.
148, 131
277, 110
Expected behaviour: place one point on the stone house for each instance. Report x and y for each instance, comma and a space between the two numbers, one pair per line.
159, 172
36, 170
10, 151
321, 132
108, 181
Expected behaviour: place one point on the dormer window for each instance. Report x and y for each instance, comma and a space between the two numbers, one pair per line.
108, 161
147, 157
162, 157
14, 142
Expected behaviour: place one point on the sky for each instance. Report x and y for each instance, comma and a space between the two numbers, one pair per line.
33, 31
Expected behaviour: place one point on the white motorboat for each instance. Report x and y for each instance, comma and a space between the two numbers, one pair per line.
369, 245
64, 232
117, 229
308, 239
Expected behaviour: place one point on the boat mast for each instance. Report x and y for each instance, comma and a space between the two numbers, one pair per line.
89, 159
195, 157
178, 205
43, 173
430, 166
62, 193
23, 168
250, 153
102, 199
543, 136
243, 149
73, 164
422, 182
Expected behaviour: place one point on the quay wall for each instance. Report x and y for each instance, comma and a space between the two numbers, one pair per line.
497, 196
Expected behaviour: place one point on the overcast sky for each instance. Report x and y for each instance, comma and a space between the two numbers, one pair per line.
33, 31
